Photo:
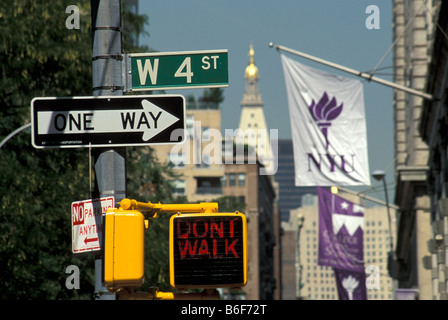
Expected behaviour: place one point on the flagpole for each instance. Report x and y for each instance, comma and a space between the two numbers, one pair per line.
367, 76
366, 197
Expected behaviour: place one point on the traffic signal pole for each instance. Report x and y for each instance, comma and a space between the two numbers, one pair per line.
154, 208
110, 163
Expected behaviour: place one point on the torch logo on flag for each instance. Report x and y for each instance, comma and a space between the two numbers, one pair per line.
325, 111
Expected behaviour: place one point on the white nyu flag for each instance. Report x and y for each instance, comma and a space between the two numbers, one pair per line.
328, 127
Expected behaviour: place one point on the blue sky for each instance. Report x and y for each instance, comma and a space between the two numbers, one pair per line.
334, 30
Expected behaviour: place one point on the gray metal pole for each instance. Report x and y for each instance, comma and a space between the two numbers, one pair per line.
364, 196
391, 239
355, 72
110, 163
12, 134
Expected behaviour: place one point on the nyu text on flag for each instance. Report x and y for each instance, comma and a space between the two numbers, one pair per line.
341, 232
328, 127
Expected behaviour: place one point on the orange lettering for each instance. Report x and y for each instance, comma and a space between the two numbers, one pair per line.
231, 247
185, 235
215, 250
195, 232
232, 228
203, 249
187, 247
214, 225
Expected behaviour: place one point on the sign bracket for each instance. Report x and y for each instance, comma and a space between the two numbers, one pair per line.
126, 73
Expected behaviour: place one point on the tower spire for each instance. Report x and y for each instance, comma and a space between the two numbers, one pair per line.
252, 121
251, 70
252, 96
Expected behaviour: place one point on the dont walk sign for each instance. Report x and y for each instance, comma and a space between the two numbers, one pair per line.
208, 250
87, 223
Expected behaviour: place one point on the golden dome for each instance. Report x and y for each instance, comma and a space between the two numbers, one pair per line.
251, 69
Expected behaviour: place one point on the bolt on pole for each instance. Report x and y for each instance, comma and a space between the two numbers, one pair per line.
110, 163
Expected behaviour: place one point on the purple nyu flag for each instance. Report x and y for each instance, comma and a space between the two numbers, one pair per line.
351, 285
340, 232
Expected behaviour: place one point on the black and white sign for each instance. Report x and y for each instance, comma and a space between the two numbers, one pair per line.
71, 122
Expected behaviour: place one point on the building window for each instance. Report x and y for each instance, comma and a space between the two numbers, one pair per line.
179, 187
241, 179
189, 124
205, 162
208, 185
232, 181
205, 134
176, 160
223, 181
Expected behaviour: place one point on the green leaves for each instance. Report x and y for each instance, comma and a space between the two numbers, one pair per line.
40, 57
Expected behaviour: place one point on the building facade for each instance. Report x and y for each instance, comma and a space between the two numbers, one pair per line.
257, 192
413, 34
434, 131
198, 159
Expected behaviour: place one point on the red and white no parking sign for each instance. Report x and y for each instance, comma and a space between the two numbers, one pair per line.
87, 223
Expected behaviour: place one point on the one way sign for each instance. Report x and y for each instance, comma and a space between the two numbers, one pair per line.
71, 122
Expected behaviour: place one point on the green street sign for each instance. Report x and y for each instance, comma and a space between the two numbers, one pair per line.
176, 70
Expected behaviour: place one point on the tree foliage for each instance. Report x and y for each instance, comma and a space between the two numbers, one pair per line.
212, 95
40, 57
230, 204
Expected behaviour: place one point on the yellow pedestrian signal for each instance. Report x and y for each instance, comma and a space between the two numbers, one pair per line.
123, 249
208, 250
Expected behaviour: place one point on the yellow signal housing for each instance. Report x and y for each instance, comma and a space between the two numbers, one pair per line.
123, 249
